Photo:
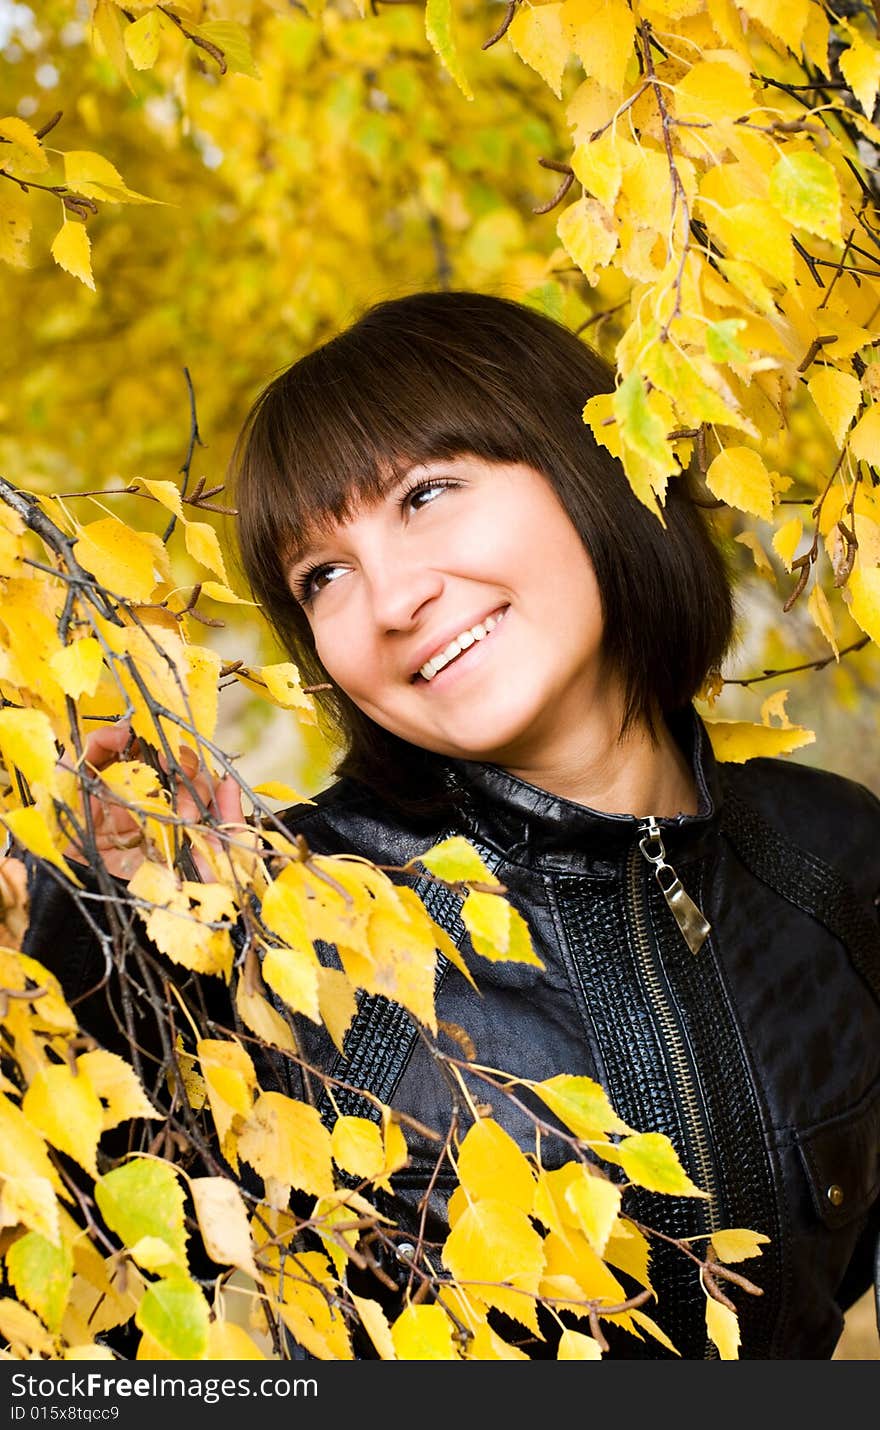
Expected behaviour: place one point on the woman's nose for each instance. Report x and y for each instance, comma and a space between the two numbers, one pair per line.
400, 590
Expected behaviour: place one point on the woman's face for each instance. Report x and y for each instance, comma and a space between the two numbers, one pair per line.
461, 612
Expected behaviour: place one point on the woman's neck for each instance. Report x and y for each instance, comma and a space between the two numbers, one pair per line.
628, 777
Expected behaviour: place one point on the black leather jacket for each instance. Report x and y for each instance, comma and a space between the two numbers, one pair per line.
759, 1055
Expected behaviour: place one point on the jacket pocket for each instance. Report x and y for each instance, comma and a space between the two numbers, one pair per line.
841, 1158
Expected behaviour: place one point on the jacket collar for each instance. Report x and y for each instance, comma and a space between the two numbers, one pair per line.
527, 822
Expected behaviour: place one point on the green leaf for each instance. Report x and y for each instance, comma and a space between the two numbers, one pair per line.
41, 1276
234, 41
721, 341
438, 28
640, 428
144, 1199
803, 187
175, 1314
456, 859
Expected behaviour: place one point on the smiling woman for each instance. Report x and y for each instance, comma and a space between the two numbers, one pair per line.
511, 644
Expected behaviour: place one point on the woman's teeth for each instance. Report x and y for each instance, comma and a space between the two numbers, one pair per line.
461, 642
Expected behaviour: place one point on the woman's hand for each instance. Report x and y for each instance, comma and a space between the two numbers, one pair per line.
119, 834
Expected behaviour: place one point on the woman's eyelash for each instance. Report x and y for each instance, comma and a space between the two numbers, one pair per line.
426, 484
302, 585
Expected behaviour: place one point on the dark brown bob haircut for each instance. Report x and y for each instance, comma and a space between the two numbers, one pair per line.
441, 374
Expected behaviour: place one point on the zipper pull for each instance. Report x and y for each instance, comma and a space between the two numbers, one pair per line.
694, 927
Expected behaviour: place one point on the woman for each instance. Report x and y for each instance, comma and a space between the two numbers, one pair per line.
512, 644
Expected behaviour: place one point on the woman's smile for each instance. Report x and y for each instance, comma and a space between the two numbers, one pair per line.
463, 651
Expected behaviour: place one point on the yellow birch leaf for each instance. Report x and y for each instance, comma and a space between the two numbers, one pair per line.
595, 1202
16, 221
804, 188
648, 1324
537, 35
228, 1341
787, 539
494, 1242
578, 1274
750, 539
738, 477
820, 611
23, 1152
202, 681
400, 964
117, 1085
356, 1143
816, 36
223, 1222
287, 1140
142, 40
167, 494
30, 1202
497, 929
261, 1018
862, 595
736, 741
785, 19
230, 1084
25, 153
597, 165
293, 973
423, 1333
107, 30
67, 1110
650, 1160
587, 233
580, 1104
90, 1350
203, 545
336, 1002
774, 707
602, 34
77, 667
95, 177
439, 30
396, 1153
119, 558
218, 592
29, 827
864, 440
737, 1244
629, 1250
306, 1297
490, 1164
25, 1335
574, 1345
284, 688
757, 233
72, 251
233, 39
456, 859
28, 744
722, 1327
276, 789
375, 1323
713, 91
860, 66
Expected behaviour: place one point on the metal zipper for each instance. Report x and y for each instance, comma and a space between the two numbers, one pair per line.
694, 926
684, 1075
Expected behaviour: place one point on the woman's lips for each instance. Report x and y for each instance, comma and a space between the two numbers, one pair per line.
467, 658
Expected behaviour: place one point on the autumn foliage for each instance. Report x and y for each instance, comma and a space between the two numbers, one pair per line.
253, 170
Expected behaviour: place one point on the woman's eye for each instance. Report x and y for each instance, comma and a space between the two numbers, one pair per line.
424, 493
311, 582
